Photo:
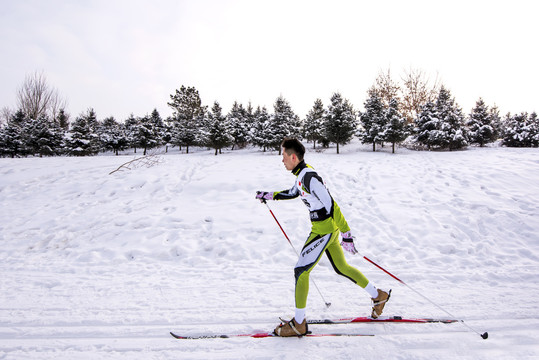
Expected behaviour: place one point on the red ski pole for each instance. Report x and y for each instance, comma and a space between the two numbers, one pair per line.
484, 335
384, 270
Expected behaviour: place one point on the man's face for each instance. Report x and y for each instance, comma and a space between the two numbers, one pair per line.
289, 161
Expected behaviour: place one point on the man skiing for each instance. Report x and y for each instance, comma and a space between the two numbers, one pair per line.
327, 221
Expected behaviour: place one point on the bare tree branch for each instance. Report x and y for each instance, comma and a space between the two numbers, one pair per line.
146, 161
5, 115
417, 91
36, 98
385, 87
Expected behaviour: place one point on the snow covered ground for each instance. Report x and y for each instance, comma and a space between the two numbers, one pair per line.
99, 266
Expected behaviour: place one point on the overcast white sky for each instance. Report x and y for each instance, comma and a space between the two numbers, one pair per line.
123, 57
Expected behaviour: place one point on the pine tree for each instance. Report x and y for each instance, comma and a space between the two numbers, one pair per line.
284, 123
373, 120
480, 130
512, 130
217, 134
113, 136
452, 132
43, 137
341, 124
167, 132
395, 129
12, 142
262, 128
62, 119
313, 127
91, 119
496, 121
185, 132
149, 131
250, 121
426, 125
143, 135
188, 116
521, 130
239, 125
131, 130
534, 129
82, 139
441, 125
158, 126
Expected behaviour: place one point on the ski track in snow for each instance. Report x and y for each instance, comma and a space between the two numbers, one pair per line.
104, 266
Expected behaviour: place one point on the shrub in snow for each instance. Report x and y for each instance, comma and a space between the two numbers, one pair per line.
480, 124
440, 125
521, 130
82, 139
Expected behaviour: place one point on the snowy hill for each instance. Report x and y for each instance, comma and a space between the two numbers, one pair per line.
104, 266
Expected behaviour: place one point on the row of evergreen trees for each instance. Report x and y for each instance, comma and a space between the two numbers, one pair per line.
440, 124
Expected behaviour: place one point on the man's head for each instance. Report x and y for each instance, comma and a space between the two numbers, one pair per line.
293, 152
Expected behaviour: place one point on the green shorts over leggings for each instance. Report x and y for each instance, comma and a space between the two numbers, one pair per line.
310, 255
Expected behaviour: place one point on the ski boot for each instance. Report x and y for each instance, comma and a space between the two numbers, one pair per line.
379, 302
291, 328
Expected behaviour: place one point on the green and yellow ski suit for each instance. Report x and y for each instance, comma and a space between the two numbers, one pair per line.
327, 220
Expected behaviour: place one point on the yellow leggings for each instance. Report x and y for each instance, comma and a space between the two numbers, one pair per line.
310, 255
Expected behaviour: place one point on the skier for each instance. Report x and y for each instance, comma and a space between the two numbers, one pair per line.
327, 220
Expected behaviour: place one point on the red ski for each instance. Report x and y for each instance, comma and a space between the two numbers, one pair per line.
256, 335
393, 319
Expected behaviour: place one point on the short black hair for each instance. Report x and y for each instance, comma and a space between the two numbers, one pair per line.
293, 146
